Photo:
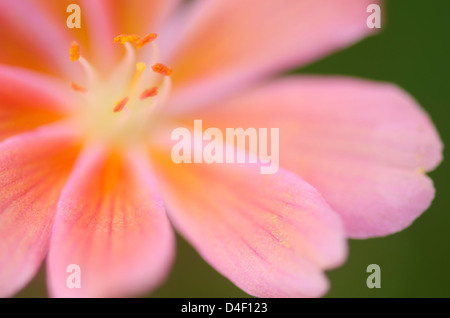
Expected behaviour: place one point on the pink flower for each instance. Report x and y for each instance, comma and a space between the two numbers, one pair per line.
86, 173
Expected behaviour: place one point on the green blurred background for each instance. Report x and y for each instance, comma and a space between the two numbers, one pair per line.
412, 51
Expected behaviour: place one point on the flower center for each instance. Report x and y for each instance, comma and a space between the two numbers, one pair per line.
118, 109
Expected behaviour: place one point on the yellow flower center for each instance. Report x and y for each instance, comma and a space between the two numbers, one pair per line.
117, 110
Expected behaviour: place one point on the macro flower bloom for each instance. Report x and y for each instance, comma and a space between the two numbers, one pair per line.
85, 122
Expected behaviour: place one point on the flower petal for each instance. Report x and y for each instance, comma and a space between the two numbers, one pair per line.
109, 18
102, 20
139, 17
33, 169
29, 100
111, 223
227, 45
33, 38
96, 33
364, 145
272, 235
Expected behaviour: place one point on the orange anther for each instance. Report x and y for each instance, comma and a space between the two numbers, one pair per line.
162, 69
74, 51
121, 104
150, 92
146, 39
77, 88
124, 38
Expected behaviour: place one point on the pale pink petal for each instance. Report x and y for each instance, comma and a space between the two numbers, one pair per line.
29, 100
102, 20
95, 35
364, 145
111, 223
101, 30
271, 235
32, 38
33, 169
225, 45
109, 18
142, 17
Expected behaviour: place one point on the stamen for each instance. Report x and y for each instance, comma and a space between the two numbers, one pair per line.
74, 51
155, 53
128, 61
89, 70
162, 69
77, 88
121, 104
150, 77
124, 38
146, 39
163, 96
150, 92
124, 72
166, 88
